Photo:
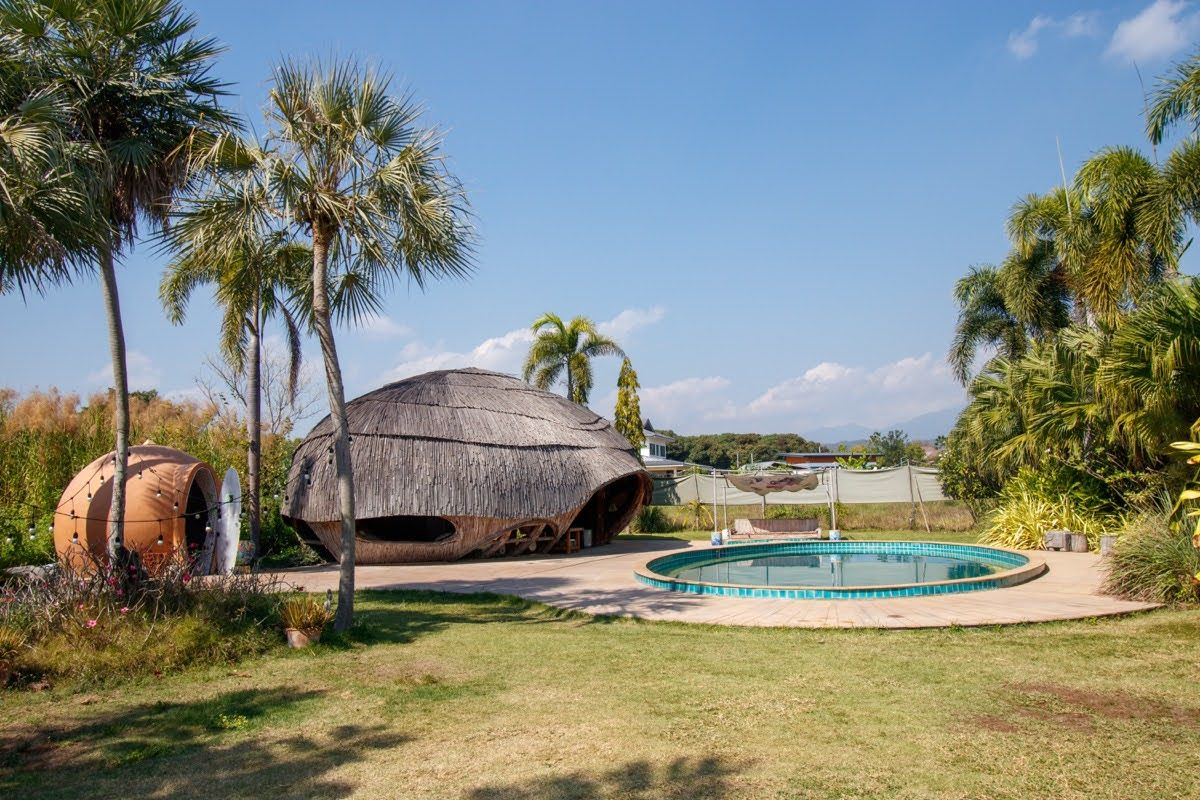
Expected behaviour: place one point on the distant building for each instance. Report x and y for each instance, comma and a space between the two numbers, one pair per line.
825, 460
654, 456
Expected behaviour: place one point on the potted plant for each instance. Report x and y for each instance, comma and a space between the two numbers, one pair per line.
12, 641
303, 619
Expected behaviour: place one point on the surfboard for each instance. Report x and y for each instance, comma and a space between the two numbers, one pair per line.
231, 522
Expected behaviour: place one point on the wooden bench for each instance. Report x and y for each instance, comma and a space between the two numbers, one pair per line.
800, 528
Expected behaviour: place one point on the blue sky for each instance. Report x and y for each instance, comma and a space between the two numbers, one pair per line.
766, 203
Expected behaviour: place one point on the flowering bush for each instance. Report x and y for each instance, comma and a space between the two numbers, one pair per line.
118, 618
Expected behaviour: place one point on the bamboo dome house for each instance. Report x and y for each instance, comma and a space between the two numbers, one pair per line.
171, 504
466, 462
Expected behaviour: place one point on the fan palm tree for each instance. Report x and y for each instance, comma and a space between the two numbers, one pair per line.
564, 351
47, 222
136, 87
253, 286
345, 168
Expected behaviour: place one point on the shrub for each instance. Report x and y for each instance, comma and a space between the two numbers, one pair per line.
798, 512
653, 519
305, 614
120, 620
1034, 502
1155, 561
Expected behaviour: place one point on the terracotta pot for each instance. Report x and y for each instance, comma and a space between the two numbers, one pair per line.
302, 638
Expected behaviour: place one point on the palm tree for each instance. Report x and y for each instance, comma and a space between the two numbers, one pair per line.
252, 286
1176, 100
1150, 374
136, 87
47, 222
346, 169
984, 318
564, 351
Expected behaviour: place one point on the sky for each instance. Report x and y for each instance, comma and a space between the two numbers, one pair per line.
766, 204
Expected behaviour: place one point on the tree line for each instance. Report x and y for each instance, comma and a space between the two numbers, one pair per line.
1080, 351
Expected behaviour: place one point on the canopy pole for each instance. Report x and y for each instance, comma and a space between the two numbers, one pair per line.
714, 485
725, 501
912, 481
833, 502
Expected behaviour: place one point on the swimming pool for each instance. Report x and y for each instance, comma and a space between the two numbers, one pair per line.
839, 570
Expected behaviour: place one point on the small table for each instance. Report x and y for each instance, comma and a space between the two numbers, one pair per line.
573, 541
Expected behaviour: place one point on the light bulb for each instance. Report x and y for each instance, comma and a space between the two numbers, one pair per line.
160, 539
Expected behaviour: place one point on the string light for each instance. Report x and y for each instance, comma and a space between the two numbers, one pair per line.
160, 538
75, 537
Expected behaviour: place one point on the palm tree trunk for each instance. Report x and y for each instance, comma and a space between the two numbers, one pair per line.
116, 341
570, 382
254, 423
337, 412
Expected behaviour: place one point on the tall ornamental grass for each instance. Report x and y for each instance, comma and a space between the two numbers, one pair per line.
1032, 503
47, 437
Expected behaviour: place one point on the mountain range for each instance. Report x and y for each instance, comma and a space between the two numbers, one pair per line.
925, 427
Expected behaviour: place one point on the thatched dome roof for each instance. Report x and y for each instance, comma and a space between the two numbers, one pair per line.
462, 443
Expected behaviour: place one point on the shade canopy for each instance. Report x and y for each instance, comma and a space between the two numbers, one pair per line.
765, 483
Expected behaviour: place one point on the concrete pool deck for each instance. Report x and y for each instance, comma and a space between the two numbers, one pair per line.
601, 581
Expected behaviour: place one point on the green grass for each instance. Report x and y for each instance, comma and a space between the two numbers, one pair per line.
490, 698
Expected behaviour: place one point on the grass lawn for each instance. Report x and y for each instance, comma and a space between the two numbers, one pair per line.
490, 698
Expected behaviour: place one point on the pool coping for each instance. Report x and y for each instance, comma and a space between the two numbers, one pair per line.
1033, 568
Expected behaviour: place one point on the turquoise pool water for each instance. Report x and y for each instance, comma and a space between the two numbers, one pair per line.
816, 569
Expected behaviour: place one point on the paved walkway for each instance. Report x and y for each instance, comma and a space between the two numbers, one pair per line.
601, 581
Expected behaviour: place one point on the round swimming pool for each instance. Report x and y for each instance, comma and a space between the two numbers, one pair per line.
838, 570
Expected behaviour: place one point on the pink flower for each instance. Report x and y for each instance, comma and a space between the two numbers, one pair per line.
91, 623
112, 581
125, 609
81, 606
187, 578
120, 592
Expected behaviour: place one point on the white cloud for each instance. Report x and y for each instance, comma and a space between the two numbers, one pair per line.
139, 369
500, 353
506, 353
836, 394
629, 320
1023, 44
1156, 32
380, 326
690, 401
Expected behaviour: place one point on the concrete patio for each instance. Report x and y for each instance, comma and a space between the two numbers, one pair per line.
601, 581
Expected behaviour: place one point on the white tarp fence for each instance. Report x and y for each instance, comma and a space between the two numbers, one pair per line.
895, 485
